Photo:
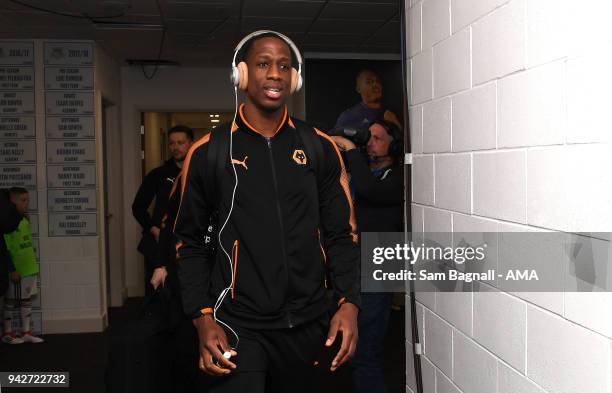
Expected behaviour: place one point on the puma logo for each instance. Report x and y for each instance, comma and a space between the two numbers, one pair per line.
243, 162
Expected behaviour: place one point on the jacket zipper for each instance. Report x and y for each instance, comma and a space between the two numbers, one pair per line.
280, 220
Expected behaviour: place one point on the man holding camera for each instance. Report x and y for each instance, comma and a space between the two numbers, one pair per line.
377, 180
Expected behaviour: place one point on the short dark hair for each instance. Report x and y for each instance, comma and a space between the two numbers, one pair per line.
18, 191
246, 49
363, 71
181, 128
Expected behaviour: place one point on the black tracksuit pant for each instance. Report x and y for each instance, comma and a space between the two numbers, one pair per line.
275, 361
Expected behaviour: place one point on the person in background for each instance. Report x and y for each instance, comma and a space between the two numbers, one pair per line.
23, 274
370, 108
377, 180
9, 221
157, 185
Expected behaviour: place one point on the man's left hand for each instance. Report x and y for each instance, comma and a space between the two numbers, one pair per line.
159, 277
343, 143
345, 321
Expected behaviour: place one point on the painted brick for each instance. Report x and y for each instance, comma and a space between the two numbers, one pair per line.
474, 119
547, 32
475, 370
422, 89
437, 126
436, 21
464, 12
423, 179
531, 107
498, 43
499, 325
499, 185
438, 342
564, 357
414, 19
589, 83
416, 129
453, 182
451, 64
510, 381
456, 309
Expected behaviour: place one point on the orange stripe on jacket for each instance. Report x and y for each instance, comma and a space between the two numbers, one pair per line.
241, 111
345, 185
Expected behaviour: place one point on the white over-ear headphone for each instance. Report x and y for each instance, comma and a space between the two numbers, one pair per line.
239, 76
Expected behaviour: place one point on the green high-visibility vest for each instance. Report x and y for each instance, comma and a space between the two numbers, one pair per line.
19, 244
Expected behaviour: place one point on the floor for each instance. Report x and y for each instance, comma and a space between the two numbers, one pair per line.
85, 357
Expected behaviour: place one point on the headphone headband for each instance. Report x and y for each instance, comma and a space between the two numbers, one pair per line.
257, 33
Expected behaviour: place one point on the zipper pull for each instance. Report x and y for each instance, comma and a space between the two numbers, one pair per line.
269, 140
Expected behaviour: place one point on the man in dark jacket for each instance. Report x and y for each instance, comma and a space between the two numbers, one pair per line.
157, 185
271, 263
9, 221
378, 183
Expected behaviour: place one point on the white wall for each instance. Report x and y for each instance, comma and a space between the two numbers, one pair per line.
511, 131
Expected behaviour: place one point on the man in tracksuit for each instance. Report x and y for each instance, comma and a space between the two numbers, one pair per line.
290, 224
156, 186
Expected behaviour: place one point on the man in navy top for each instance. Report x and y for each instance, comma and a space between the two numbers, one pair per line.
370, 108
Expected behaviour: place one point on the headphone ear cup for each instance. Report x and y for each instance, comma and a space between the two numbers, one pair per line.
296, 81
243, 76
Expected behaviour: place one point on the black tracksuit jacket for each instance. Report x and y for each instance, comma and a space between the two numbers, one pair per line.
280, 207
156, 185
379, 202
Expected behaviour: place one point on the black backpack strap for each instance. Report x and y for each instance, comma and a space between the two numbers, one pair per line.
216, 160
312, 144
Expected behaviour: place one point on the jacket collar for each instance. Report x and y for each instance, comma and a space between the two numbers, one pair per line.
242, 122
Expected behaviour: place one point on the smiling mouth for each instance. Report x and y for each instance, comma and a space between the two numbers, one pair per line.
272, 92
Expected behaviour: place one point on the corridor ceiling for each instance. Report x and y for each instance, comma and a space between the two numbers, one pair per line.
204, 32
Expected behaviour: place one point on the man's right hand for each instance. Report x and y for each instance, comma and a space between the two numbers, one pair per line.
155, 232
212, 337
15, 277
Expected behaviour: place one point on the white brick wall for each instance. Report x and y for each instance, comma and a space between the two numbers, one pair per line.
511, 130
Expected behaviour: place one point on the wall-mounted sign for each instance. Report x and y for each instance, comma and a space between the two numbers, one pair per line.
70, 151
34, 224
16, 53
73, 224
64, 176
17, 78
17, 127
70, 127
69, 78
17, 152
63, 103
71, 200
18, 176
17, 103
68, 53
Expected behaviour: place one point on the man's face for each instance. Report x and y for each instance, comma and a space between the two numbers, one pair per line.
269, 64
21, 201
378, 144
369, 87
179, 144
